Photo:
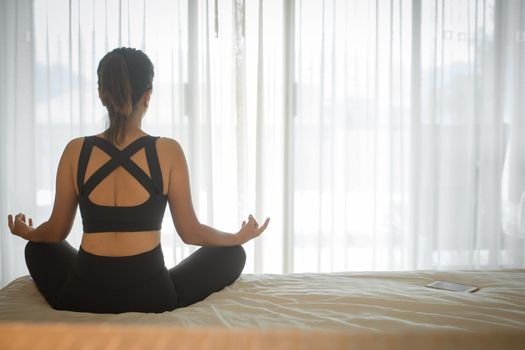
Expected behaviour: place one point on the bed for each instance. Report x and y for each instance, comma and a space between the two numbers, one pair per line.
365, 310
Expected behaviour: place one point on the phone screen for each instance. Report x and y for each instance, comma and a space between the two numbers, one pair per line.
454, 287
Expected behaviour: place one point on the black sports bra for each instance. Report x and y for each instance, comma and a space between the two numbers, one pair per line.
143, 217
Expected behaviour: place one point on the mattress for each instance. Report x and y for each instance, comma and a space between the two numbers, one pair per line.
364, 304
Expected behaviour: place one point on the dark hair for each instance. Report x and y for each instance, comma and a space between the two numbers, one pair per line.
124, 75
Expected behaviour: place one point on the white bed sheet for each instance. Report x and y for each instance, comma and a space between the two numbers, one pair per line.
349, 302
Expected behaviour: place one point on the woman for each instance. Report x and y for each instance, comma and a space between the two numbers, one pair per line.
121, 179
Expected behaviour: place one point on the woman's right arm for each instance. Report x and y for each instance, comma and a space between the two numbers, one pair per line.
186, 222
57, 228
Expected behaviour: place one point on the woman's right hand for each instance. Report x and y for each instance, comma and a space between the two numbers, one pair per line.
18, 225
251, 229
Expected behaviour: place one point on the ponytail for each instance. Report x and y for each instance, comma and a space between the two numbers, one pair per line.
115, 92
124, 75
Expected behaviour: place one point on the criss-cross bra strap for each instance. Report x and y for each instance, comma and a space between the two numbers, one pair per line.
153, 163
83, 160
119, 158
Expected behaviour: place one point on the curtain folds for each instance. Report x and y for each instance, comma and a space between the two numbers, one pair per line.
380, 134
18, 184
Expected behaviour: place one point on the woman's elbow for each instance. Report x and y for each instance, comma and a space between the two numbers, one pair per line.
187, 235
187, 238
57, 233
55, 237
61, 237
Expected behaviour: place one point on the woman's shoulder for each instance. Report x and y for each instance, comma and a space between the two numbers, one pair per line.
71, 151
168, 145
170, 150
74, 145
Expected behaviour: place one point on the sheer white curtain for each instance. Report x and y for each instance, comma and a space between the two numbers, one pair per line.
17, 129
401, 134
376, 134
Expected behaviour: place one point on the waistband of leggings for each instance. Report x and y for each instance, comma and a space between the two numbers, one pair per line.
133, 267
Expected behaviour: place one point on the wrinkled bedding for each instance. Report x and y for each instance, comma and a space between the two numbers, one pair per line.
394, 302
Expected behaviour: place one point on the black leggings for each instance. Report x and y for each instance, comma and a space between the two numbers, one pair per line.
80, 281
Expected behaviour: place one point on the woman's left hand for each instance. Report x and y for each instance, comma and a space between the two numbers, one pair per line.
18, 226
251, 229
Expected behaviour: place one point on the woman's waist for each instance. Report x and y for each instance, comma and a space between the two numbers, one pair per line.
120, 244
131, 268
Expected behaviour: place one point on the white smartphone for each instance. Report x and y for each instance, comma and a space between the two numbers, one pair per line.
451, 286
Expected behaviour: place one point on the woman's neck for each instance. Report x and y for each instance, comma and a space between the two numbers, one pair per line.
135, 120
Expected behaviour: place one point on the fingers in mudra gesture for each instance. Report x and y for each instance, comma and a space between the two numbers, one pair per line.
250, 229
18, 224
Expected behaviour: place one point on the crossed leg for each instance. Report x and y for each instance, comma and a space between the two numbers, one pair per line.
206, 271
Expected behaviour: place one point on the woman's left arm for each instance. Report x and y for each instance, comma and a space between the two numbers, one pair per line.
62, 217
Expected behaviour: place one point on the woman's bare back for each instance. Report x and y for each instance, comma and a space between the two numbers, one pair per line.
121, 189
